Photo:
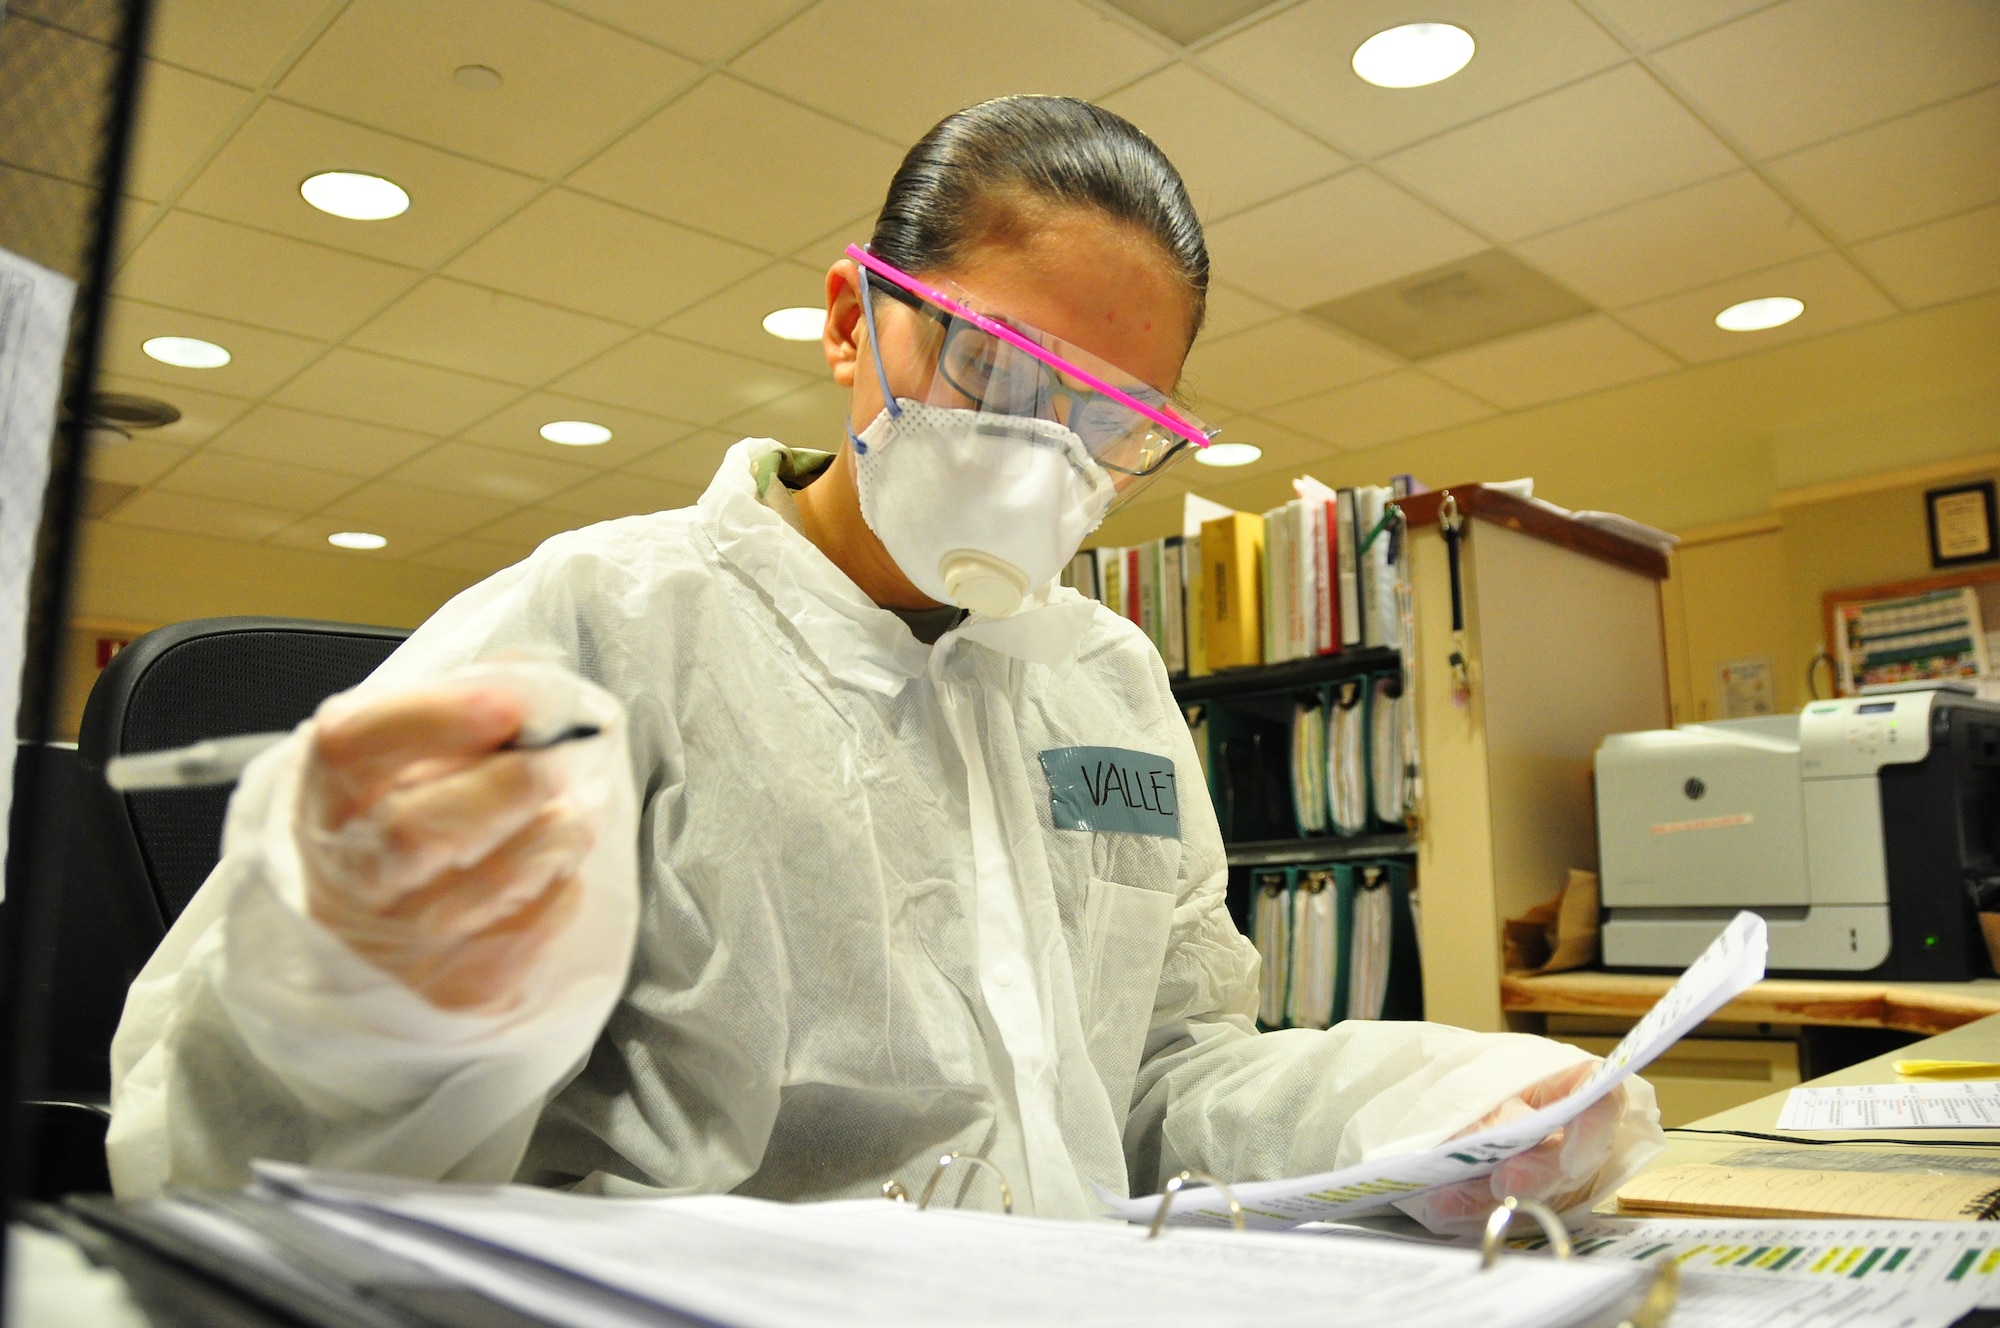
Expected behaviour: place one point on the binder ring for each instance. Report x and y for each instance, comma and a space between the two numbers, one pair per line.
1179, 1183
944, 1165
1496, 1227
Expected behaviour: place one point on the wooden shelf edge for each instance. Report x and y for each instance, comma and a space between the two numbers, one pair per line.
1822, 1002
1504, 509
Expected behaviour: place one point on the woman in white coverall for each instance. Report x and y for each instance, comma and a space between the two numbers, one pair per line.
825, 898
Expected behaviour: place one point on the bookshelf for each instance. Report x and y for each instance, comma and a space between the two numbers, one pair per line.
1318, 848
1272, 679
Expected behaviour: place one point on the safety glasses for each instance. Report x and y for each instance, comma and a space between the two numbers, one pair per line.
984, 361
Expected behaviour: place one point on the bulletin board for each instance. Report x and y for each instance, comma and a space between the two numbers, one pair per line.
1943, 627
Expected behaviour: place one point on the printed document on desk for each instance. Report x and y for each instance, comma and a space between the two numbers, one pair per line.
1729, 966
1925, 1106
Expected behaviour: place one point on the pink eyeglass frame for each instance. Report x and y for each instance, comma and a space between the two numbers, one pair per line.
1192, 432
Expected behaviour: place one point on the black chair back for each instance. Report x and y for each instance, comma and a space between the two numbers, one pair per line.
209, 678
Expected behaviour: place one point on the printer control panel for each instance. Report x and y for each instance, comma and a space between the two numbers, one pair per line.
1858, 735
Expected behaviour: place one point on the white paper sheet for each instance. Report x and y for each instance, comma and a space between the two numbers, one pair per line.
34, 329
1730, 965
1910, 1256
1947, 1106
746, 1263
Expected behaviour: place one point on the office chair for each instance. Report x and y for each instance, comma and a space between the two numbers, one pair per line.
209, 678
126, 865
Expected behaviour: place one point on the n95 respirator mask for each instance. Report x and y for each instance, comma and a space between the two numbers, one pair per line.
977, 509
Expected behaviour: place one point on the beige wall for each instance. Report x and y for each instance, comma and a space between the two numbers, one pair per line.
130, 580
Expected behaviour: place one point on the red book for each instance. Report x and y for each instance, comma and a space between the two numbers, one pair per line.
1132, 584
1329, 581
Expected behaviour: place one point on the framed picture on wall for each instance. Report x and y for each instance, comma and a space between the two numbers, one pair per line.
1961, 521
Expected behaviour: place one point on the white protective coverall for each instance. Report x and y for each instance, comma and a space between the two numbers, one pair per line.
858, 936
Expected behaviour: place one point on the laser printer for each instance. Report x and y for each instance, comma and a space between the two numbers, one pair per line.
1861, 829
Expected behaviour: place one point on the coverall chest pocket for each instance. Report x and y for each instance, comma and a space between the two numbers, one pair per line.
1122, 945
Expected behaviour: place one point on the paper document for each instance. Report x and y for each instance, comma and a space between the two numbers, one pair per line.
34, 329
747, 1263
1723, 971
1931, 1106
1908, 1256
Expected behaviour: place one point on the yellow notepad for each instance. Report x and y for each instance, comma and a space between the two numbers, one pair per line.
1709, 1190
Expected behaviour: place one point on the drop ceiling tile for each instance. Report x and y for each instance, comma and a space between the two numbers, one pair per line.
456, 326
325, 442
197, 515
181, 115
583, 253
99, 20
1231, 153
255, 180
46, 123
690, 462
1279, 361
825, 250
1946, 260
140, 461
700, 28
1582, 355
259, 359
310, 533
1810, 69
245, 44
418, 509
517, 428
1835, 295
394, 392
1231, 310
662, 376
1607, 141
1379, 410
733, 319
1056, 46
1301, 61
203, 414
60, 239
622, 493
734, 161
1345, 234
241, 479
481, 557
1734, 223
1931, 164
390, 63
490, 472
213, 267
530, 526
1650, 23
814, 416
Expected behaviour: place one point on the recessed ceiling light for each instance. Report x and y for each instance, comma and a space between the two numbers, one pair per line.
1756, 315
185, 352
355, 539
803, 323
1228, 454
1413, 55
355, 196
576, 433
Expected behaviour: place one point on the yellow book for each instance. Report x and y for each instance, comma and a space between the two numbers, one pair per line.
1232, 555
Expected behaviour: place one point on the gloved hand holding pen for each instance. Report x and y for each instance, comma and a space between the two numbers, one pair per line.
434, 851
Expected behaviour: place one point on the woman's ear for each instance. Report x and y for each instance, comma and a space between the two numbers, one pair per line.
843, 338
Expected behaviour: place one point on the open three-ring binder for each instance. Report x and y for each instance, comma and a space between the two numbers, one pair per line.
345, 1251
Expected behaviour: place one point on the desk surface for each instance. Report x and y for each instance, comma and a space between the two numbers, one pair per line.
1912, 1007
1977, 1041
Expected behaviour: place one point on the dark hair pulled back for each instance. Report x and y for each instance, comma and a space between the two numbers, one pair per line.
963, 179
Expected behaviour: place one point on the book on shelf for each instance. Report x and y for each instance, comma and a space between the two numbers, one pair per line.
1338, 941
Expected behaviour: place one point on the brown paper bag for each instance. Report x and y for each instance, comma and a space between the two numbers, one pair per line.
1558, 935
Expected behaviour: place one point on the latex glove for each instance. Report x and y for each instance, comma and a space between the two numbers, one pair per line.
436, 855
1562, 1171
